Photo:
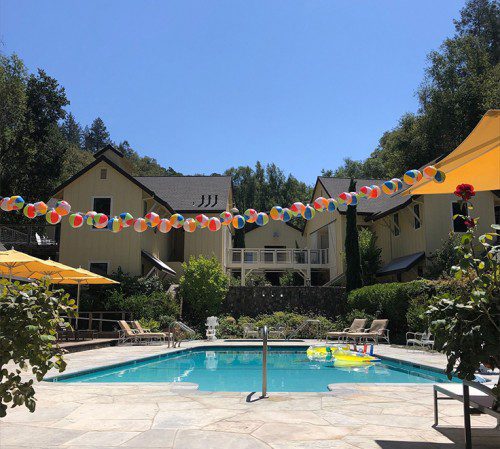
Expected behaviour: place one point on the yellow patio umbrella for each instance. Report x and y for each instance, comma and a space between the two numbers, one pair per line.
85, 277
16, 263
475, 161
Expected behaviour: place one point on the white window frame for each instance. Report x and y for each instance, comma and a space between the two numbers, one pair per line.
108, 262
396, 226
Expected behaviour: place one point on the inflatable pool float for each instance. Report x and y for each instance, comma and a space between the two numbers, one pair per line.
339, 356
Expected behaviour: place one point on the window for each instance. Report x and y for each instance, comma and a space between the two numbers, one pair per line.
102, 205
100, 268
104, 173
416, 212
459, 222
144, 208
395, 220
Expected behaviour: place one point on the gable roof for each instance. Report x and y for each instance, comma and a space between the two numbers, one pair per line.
191, 193
106, 148
119, 170
374, 208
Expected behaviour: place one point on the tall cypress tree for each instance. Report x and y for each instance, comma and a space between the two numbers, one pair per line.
353, 262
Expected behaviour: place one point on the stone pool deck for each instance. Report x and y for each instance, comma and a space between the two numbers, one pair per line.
351, 416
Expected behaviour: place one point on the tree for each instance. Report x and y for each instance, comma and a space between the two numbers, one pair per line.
202, 287
97, 136
369, 255
353, 263
29, 317
72, 131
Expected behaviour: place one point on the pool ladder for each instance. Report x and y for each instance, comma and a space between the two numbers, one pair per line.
265, 333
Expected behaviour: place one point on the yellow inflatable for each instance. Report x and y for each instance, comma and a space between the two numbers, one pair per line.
340, 356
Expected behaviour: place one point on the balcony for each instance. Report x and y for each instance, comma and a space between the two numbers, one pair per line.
277, 258
37, 240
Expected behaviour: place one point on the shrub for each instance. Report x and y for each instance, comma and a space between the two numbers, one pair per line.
152, 325
291, 279
441, 261
257, 280
389, 301
29, 317
144, 306
229, 328
416, 317
203, 287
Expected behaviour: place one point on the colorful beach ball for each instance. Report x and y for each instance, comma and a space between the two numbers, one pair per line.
190, 225
276, 212
140, 225
332, 205
235, 211
152, 219
29, 210
262, 219
364, 192
429, 172
297, 208
76, 220
239, 222
287, 215
202, 220
126, 219
177, 220
5, 204
100, 220
250, 215
164, 226
63, 208
320, 204
52, 217
376, 192
440, 176
226, 218
345, 198
89, 217
389, 187
40, 208
115, 224
412, 176
17, 202
398, 183
354, 198
308, 213
214, 224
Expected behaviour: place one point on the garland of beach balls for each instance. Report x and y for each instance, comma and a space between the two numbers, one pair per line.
151, 220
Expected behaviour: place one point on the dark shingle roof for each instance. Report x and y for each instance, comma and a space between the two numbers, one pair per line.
374, 207
191, 193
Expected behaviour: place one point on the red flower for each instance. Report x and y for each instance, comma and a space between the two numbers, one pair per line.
465, 191
469, 223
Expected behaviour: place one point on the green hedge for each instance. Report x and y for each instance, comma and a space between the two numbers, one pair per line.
393, 301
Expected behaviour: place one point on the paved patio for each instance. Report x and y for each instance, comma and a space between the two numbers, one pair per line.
168, 416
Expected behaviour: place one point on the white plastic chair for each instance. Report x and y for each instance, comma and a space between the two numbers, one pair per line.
211, 324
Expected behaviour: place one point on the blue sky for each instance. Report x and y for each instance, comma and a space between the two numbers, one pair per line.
202, 85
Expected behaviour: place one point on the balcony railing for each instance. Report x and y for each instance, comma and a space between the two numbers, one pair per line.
36, 235
263, 257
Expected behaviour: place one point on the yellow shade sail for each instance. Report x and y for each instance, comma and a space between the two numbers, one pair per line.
85, 278
475, 161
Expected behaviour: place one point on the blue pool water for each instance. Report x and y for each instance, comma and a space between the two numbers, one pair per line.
240, 368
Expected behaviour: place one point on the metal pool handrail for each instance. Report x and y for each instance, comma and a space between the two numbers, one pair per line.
265, 333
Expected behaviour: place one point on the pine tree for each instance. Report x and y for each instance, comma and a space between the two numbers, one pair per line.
97, 136
353, 262
72, 130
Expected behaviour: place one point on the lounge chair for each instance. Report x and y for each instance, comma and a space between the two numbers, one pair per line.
473, 395
161, 336
377, 331
422, 339
357, 325
249, 331
277, 333
131, 335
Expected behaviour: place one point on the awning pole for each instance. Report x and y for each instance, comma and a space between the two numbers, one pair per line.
77, 303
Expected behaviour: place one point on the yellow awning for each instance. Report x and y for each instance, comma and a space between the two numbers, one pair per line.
475, 161
85, 278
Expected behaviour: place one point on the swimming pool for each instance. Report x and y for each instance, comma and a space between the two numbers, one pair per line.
233, 368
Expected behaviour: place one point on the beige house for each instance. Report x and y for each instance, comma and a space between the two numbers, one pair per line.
107, 186
409, 228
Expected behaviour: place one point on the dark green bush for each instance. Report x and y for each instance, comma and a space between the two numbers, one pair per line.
389, 301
